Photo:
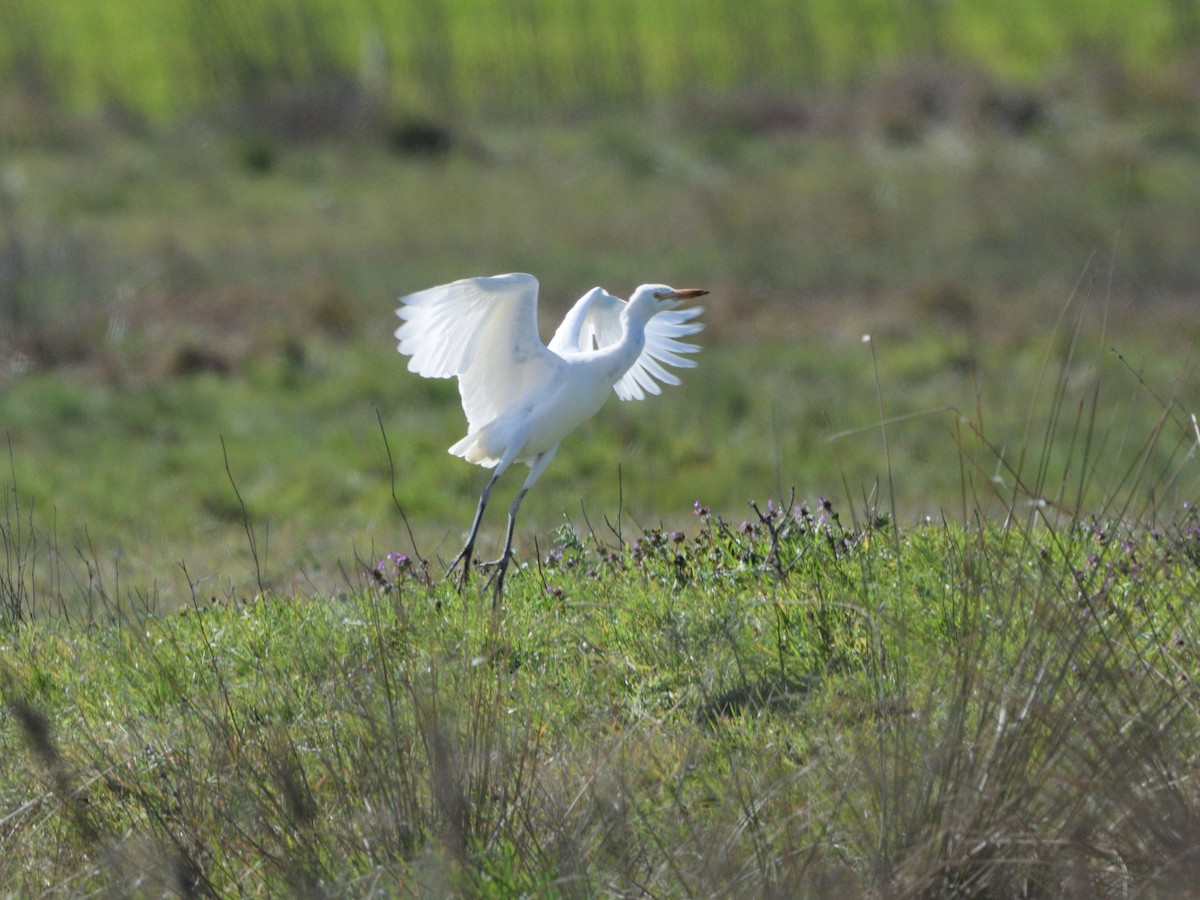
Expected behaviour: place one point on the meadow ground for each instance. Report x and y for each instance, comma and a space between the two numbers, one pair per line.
212, 306
219, 680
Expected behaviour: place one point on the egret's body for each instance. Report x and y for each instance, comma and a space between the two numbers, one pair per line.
521, 397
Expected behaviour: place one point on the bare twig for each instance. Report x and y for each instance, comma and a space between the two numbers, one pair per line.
249, 528
887, 456
776, 521
20, 551
392, 480
616, 528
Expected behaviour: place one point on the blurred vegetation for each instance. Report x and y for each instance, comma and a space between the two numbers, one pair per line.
535, 56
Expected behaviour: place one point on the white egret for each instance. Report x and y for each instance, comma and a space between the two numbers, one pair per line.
521, 397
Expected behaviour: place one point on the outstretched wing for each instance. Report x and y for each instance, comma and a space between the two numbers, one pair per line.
662, 347
594, 322
484, 331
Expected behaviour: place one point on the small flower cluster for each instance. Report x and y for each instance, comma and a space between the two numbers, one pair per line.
658, 547
1112, 565
391, 569
777, 537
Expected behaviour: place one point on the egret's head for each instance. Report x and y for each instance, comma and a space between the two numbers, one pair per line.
655, 298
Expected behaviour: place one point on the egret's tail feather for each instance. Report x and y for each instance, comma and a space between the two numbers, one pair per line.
473, 448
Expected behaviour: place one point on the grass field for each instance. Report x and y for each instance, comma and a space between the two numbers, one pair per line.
952, 306
788, 706
172, 291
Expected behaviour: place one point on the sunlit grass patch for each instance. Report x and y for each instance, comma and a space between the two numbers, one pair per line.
787, 703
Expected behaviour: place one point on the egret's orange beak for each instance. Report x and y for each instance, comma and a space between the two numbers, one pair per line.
685, 294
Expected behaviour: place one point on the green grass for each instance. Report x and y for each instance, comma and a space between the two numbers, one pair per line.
794, 706
541, 56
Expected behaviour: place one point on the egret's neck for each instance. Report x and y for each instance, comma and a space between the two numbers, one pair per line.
632, 342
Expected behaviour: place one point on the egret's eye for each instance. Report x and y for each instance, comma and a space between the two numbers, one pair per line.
658, 295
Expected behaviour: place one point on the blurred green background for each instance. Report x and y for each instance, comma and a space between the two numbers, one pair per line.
207, 210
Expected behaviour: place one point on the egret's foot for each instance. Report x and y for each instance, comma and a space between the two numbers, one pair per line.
464, 557
500, 566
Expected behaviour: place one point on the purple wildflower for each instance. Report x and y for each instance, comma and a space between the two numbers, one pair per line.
389, 569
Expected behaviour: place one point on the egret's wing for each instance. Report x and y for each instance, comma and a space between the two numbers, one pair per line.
662, 347
595, 309
484, 331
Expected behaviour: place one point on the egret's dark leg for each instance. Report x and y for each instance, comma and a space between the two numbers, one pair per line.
535, 472
502, 562
464, 555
